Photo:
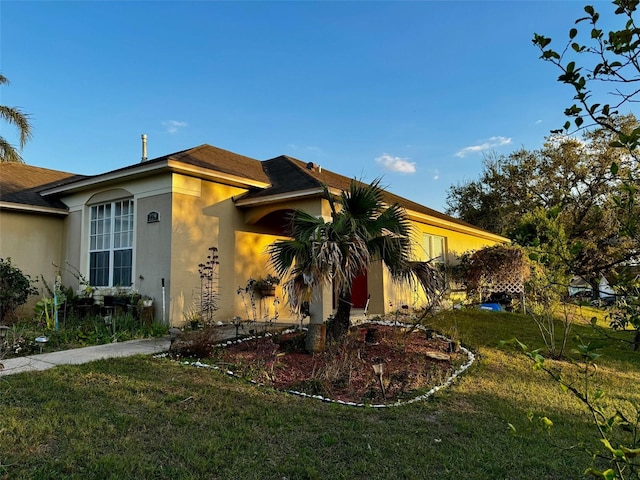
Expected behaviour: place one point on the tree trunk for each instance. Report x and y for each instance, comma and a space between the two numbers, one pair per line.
315, 341
340, 324
595, 288
636, 341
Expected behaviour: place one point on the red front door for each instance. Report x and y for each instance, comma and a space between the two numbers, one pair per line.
359, 291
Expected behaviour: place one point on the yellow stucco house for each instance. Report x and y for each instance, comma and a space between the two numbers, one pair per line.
152, 223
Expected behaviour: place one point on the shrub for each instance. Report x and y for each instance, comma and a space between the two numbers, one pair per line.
15, 288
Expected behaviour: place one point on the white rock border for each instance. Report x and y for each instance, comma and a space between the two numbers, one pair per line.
470, 355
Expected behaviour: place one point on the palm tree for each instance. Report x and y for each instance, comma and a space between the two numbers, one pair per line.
334, 252
14, 116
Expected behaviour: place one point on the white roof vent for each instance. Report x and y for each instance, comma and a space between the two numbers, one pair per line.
144, 147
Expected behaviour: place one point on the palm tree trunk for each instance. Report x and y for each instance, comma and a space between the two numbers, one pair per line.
340, 324
315, 341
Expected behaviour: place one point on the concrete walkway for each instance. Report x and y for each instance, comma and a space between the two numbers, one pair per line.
77, 356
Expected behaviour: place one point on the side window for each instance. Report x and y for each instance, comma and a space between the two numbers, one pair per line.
435, 247
111, 244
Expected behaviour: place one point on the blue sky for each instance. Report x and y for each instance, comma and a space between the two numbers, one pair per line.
413, 92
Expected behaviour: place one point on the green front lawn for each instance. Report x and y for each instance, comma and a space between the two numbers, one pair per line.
147, 417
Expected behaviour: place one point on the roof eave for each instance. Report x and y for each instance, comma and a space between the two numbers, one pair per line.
208, 174
22, 207
143, 170
453, 225
282, 197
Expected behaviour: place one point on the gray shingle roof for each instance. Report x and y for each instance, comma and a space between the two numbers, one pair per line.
213, 158
289, 175
20, 183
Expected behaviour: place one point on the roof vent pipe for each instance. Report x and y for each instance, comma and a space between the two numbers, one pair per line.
144, 147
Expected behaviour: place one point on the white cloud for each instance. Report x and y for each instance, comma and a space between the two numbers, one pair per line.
491, 143
396, 164
173, 126
309, 148
436, 175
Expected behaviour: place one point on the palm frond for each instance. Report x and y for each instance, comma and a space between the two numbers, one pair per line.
20, 120
363, 230
296, 292
8, 153
430, 279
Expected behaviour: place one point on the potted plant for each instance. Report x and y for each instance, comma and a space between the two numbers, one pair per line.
107, 297
193, 316
266, 286
85, 294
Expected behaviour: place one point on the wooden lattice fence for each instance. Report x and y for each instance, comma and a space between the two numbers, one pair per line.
500, 269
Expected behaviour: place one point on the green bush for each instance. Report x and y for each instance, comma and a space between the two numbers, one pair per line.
15, 288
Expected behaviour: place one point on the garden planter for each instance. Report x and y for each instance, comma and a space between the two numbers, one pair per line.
83, 301
146, 316
120, 301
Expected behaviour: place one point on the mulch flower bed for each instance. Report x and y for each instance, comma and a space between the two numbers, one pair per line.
413, 365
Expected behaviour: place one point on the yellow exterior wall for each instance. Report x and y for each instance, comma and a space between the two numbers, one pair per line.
34, 242
192, 232
388, 296
385, 294
252, 261
195, 215
457, 243
203, 216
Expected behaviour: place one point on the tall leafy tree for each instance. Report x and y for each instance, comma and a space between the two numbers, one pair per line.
362, 229
590, 59
20, 120
569, 181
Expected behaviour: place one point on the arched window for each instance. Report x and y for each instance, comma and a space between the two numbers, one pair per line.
111, 244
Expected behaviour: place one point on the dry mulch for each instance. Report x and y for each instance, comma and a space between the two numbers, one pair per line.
412, 364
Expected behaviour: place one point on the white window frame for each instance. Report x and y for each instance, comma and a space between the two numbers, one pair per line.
111, 234
431, 244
